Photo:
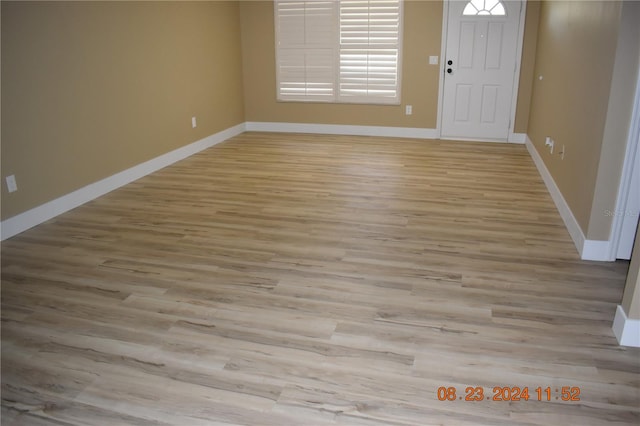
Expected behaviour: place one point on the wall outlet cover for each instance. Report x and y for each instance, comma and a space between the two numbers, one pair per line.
12, 186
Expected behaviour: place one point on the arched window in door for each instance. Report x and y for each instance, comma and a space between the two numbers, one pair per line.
484, 7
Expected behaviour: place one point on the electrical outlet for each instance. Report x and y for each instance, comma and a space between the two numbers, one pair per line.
549, 142
408, 110
12, 186
193, 123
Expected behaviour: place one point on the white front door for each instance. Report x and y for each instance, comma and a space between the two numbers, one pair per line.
479, 68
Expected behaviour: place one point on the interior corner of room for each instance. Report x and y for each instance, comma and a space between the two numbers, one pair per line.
97, 94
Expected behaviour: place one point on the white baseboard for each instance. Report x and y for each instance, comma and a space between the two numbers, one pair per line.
51, 209
588, 249
626, 330
597, 250
465, 139
563, 208
343, 129
517, 137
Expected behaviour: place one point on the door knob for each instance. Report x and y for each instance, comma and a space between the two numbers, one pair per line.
449, 70
449, 62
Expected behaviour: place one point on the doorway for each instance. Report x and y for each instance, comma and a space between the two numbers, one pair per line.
625, 220
480, 64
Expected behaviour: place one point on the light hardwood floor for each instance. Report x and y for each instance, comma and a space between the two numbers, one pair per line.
314, 280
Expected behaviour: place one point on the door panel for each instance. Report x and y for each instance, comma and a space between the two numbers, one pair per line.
478, 84
489, 103
466, 43
463, 99
494, 46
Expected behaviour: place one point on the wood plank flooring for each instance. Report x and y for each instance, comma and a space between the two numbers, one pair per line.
314, 280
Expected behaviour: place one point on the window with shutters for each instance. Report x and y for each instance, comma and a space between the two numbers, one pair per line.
338, 50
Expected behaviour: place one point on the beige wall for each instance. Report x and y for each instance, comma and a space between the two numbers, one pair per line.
575, 55
422, 37
90, 89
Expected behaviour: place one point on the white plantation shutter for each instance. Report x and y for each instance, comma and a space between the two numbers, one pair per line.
306, 61
338, 50
369, 50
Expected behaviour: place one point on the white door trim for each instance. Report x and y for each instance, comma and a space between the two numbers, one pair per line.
516, 78
513, 137
443, 50
631, 160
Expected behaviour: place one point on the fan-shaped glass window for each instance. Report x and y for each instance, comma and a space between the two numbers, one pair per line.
484, 7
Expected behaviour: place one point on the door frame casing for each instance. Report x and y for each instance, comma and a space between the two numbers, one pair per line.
513, 137
632, 153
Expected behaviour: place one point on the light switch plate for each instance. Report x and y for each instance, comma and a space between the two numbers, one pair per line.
433, 60
12, 186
